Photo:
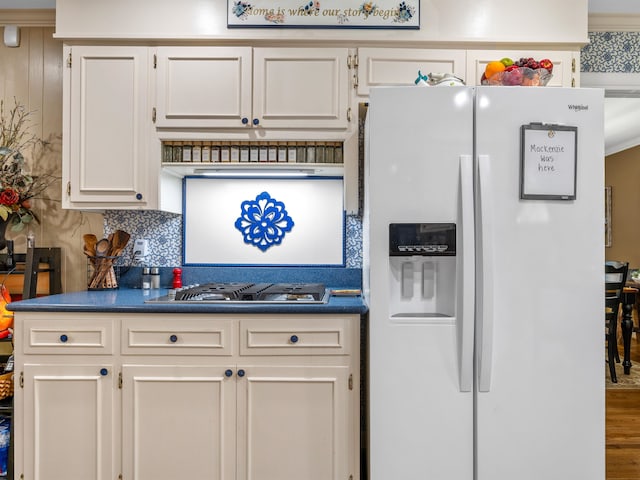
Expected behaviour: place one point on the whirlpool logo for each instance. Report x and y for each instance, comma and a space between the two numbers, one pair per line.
578, 108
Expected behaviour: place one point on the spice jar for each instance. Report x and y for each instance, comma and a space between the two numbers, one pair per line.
196, 152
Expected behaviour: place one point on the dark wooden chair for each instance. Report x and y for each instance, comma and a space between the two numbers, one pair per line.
34, 263
615, 279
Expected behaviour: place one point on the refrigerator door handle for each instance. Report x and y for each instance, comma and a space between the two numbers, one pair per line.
467, 275
484, 314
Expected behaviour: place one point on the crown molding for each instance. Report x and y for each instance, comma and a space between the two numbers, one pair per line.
32, 17
614, 22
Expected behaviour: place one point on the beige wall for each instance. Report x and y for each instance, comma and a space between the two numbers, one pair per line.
622, 173
32, 73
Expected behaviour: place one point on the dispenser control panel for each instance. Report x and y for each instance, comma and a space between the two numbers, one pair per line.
427, 239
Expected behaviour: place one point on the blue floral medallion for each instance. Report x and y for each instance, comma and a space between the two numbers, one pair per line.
263, 221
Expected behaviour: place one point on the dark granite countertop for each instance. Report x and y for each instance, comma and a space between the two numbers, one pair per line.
129, 298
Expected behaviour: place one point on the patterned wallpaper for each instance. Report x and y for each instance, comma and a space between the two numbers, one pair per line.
612, 52
164, 232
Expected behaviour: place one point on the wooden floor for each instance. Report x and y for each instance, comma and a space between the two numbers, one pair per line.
623, 428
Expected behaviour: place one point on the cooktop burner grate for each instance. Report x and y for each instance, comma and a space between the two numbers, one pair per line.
249, 292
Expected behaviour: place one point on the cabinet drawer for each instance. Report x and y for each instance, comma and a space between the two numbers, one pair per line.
69, 337
295, 336
177, 336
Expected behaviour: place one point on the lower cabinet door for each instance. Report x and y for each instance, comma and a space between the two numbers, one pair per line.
68, 429
294, 423
178, 422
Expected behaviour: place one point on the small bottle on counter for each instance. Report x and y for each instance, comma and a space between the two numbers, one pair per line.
234, 153
31, 240
272, 152
177, 278
9, 262
146, 278
155, 277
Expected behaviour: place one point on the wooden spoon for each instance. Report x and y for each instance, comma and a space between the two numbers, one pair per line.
103, 247
90, 241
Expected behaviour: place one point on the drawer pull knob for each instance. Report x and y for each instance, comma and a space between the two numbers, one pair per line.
245, 120
241, 373
173, 338
63, 338
104, 372
294, 339
228, 373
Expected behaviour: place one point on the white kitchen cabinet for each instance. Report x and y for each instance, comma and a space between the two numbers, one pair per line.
565, 64
178, 422
67, 415
400, 66
292, 423
244, 87
212, 396
106, 128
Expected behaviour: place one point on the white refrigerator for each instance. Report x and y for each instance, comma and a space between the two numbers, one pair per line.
483, 273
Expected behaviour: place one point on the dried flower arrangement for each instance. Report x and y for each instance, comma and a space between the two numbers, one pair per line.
17, 185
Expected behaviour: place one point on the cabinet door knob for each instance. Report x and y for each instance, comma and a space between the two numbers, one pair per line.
138, 196
241, 373
294, 339
228, 372
256, 121
104, 372
63, 338
173, 338
245, 120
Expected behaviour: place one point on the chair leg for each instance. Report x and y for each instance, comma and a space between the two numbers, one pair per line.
614, 333
611, 355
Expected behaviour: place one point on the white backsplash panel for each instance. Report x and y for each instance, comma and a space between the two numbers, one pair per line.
264, 221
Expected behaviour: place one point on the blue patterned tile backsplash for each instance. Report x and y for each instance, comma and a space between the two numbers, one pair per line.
164, 232
611, 52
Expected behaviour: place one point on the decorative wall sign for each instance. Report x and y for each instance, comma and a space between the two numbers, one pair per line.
548, 161
258, 221
263, 222
324, 13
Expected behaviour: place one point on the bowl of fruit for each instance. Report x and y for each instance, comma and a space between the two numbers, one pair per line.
525, 71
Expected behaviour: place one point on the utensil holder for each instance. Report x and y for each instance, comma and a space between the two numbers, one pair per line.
102, 273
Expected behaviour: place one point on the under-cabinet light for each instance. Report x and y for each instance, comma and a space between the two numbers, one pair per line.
253, 172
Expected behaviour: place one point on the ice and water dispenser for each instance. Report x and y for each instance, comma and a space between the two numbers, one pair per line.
422, 264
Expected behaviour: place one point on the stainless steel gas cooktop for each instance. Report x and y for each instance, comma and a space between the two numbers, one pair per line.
247, 293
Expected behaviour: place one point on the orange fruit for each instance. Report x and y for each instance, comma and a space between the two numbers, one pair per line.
492, 68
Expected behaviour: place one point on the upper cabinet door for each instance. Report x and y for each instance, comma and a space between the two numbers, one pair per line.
564, 74
400, 66
300, 87
203, 86
107, 118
